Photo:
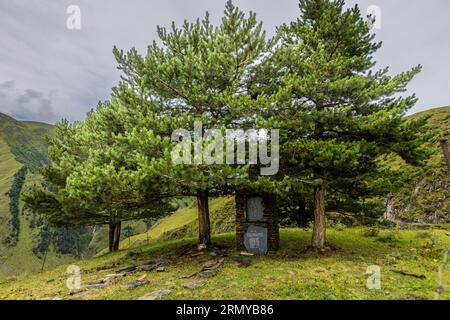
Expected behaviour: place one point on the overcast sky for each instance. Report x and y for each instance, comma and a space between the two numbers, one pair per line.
49, 72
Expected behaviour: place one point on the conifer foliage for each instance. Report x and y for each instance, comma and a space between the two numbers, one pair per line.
337, 114
316, 82
201, 71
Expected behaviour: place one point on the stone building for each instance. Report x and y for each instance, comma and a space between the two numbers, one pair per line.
257, 228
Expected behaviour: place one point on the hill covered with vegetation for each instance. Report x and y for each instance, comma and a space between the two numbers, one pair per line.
427, 198
290, 273
175, 269
26, 240
183, 223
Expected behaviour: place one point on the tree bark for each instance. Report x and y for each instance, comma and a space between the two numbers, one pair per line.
204, 225
114, 236
319, 231
117, 230
302, 216
111, 237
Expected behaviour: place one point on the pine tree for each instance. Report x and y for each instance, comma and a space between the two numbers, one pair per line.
96, 177
336, 115
201, 72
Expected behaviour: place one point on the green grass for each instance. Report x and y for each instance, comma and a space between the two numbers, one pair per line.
21, 143
9, 166
100, 237
290, 273
427, 197
439, 121
26, 140
183, 223
19, 259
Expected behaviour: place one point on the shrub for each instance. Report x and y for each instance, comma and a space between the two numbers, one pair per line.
340, 226
433, 247
424, 235
385, 223
388, 236
14, 195
371, 232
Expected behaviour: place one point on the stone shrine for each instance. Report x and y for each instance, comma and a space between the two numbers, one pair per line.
257, 228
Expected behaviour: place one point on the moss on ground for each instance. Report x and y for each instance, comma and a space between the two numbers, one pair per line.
293, 272
184, 223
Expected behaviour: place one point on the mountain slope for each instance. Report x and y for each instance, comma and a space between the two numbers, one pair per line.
26, 242
22, 145
26, 140
183, 223
293, 272
427, 198
8, 167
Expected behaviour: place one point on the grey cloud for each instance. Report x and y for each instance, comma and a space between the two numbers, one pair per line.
74, 69
30, 95
7, 85
29, 104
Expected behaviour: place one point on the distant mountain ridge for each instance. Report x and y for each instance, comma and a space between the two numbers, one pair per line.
427, 199
26, 241
26, 140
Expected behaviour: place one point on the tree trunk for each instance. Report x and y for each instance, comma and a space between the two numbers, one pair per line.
302, 217
117, 230
204, 226
114, 236
318, 239
111, 236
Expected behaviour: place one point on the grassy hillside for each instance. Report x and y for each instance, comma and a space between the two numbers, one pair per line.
23, 144
26, 140
408, 262
439, 121
19, 259
9, 166
100, 237
183, 223
427, 198
24, 237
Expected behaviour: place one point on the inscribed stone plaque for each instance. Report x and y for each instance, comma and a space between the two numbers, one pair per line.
255, 239
255, 209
